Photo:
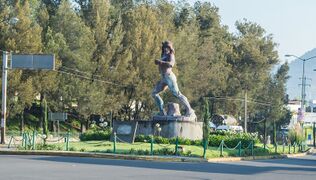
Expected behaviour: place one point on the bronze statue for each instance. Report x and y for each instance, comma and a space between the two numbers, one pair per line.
169, 80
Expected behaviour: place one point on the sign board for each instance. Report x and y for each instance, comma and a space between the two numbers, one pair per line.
300, 115
125, 130
33, 61
61, 116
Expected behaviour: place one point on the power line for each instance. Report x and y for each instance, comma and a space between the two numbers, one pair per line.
78, 71
239, 99
88, 78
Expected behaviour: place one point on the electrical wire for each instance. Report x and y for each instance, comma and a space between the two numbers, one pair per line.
239, 99
78, 71
88, 78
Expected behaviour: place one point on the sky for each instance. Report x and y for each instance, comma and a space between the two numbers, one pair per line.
291, 22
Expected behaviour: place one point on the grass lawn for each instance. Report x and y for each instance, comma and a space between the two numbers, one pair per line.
193, 151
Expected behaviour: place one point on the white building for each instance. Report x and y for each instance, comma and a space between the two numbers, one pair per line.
308, 117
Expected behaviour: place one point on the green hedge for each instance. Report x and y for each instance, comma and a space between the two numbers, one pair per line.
95, 135
230, 139
162, 140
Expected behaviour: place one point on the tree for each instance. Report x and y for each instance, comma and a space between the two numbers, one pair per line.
253, 57
76, 55
22, 37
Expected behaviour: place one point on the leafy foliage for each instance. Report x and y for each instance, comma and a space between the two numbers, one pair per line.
105, 51
95, 135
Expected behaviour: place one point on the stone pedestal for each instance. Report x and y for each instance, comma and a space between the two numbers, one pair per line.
173, 109
172, 125
171, 128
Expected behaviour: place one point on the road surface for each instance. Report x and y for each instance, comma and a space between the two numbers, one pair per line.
18, 167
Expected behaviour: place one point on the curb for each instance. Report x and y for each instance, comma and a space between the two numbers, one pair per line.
250, 158
147, 158
103, 155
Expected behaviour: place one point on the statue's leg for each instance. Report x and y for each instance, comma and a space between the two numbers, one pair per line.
173, 86
160, 86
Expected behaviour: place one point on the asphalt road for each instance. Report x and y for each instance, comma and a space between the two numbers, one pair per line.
18, 167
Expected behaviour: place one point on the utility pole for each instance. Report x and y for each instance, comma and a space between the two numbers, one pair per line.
314, 144
4, 95
245, 126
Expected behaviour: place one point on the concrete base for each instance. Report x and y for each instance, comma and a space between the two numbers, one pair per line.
173, 118
171, 128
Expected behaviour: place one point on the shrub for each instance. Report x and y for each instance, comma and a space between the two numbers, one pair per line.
161, 140
164, 151
296, 135
48, 147
96, 135
232, 139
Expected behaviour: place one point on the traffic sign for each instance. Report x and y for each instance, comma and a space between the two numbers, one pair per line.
33, 61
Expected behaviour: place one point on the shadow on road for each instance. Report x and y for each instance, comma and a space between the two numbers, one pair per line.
220, 168
302, 161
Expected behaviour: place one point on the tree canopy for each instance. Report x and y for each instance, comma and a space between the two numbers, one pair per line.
105, 52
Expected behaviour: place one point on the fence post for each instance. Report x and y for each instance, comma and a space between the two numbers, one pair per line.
239, 149
26, 140
294, 147
290, 148
114, 143
205, 143
10, 142
221, 148
283, 147
176, 150
152, 145
23, 139
67, 140
252, 153
34, 140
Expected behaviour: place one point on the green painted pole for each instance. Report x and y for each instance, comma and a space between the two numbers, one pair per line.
23, 139
205, 143
252, 153
10, 142
26, 141
314, 134
275, 147
294, 147
283, 146
290, 148
239, 149
34, 140
67, 140
114, 143
152, 145
221, 148
177, 146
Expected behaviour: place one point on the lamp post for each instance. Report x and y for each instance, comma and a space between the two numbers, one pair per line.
4, 95
5, 54
303, 95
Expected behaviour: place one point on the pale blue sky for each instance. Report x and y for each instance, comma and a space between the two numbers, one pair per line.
292, 22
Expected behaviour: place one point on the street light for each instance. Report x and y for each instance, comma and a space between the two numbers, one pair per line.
303, 78
12, 21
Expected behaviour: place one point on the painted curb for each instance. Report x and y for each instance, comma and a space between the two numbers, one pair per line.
147, 158
103, 155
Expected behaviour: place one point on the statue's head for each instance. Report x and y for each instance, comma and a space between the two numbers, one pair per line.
167, 46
